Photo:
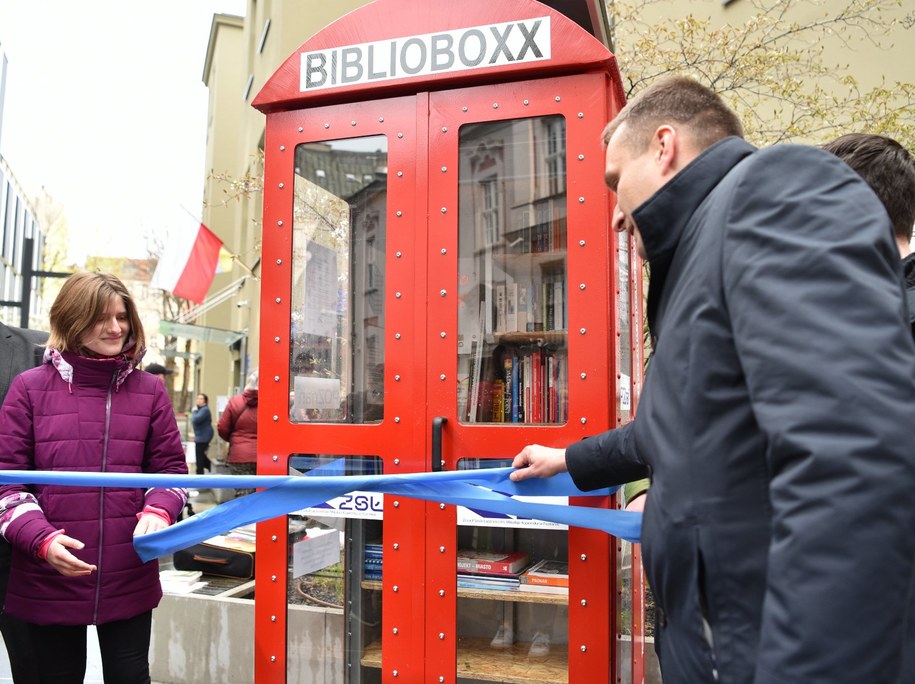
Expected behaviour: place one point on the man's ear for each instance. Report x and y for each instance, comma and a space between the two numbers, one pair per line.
666, 148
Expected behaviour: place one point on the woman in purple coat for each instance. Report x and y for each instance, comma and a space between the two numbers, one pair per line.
88, 408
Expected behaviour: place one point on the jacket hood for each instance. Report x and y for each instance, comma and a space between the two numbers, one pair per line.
250, 396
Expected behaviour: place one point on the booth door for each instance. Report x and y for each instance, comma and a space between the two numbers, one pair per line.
446, 291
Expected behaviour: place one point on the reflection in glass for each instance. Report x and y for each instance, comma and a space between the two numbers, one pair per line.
512, 284
334, 573
624, 326
337, 321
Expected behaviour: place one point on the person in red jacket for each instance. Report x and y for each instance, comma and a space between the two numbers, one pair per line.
88, 408
238, 426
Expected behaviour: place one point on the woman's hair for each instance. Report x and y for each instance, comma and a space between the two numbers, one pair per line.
251, 383
206, 399
83, 299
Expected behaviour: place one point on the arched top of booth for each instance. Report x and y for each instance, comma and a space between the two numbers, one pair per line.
391, 47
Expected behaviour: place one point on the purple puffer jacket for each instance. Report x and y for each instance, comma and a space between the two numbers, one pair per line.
90, 424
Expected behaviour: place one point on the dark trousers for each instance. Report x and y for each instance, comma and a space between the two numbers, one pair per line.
203, 461
15, 633
124, 646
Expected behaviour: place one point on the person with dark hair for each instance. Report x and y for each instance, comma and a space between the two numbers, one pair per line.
202, 420
20, 349
777, 419
889, 170
88, 408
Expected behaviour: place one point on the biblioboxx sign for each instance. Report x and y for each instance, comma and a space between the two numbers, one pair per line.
476, 47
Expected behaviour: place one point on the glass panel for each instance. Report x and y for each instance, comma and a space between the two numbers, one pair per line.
512, 284
624, 326
624, 588
334, 576
337, 323
513, 595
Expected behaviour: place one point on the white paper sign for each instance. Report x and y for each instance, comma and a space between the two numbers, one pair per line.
320, 549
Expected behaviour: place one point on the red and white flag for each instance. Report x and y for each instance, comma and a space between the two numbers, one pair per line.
187, 266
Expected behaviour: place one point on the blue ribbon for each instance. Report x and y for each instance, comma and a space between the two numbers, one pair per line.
484, 489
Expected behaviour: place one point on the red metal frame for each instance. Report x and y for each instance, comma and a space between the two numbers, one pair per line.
581, 84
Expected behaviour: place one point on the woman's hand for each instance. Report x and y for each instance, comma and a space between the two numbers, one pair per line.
538, 461
65, 562
152, 519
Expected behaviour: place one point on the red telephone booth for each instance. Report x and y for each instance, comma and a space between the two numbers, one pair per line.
440, 287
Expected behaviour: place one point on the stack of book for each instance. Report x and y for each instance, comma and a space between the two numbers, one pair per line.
372, 561
546, 576
181, 581
497, 571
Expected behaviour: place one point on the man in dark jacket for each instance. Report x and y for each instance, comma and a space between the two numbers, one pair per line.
777, 420
20, 349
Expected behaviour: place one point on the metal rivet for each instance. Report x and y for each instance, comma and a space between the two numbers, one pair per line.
395, 630
584, 556
273, 538
584, 375
275, 418
400, 135
441, 592
273, 618
397, 378
399, 213
557, 98
396, 419
583, 648
273, 578
444, 129
463, 109
400, 174
581, 115
276, 458
584, 602
441, 377
278, 300
396, 588
441, 635
444, 210
396, 461
279, 262
441, 679
582, 330
276, 339
495, 105
395, 546
581, 200
282, 185
396, 336
352, 123
526, 102
442, 334
301, 129
584, 421
380, 119
443, 292
581, 157
582, 286
276, 378
398, 254
272, 659
397, 295
443, 250
444, 169
279, 223
282, 148
395, 673
581, 243
442, 506
441, 549
326, 125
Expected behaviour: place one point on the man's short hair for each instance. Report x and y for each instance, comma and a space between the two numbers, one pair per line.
888, 168
679, 100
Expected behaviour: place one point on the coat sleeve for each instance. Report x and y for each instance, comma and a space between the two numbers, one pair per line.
226, 423
607, 459
165, 454
812, 284
22, 522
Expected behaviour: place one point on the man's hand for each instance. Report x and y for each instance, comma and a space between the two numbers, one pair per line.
638, 503
538, 461
65, 562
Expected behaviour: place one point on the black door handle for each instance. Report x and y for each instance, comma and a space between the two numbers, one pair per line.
437, 424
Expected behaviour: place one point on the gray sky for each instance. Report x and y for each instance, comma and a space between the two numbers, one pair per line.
106, 108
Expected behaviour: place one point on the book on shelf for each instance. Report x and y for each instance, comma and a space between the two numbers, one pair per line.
491, 563
544, 589
511, 307
552, 573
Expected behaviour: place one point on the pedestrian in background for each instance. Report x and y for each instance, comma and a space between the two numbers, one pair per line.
202, 420
777, 419
238, 426
20, 349
88, 408
160, 371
